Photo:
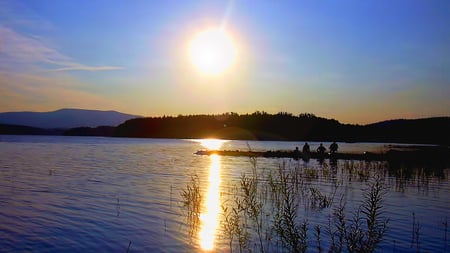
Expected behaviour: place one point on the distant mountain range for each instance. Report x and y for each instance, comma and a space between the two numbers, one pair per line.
65, 118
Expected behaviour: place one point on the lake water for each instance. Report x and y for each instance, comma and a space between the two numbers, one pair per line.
93, 194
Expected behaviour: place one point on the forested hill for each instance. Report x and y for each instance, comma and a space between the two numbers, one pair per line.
285, 126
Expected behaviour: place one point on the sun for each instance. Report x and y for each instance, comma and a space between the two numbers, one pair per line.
212, 51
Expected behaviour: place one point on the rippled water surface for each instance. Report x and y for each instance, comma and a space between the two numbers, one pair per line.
91, 194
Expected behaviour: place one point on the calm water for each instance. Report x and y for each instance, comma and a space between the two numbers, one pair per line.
90, 194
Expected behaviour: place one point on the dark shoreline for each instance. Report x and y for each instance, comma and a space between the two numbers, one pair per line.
414, 153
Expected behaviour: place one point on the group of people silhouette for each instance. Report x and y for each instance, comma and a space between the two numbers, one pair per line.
320, 150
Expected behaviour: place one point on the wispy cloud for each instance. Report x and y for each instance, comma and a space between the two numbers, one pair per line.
33, 50
86, 68
23, 91
34, 71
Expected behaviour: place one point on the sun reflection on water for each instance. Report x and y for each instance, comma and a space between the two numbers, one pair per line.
211, 144
209, 218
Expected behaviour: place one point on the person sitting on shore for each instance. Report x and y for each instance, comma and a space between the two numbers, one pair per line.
321, 149
306, 148
333, 147
296, 153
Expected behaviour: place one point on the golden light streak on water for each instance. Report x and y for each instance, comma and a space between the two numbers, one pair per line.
210, 218
211, 144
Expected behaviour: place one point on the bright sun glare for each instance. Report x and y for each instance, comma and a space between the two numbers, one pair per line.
211, 144
212, 51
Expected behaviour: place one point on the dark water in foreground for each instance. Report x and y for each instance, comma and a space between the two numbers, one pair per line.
83, 194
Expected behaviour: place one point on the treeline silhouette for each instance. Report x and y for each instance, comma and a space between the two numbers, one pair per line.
286, 126
262, 126
27, 130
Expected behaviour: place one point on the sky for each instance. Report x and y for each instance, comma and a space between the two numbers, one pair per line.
355, 61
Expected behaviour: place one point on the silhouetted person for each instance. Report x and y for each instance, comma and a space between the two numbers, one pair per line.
333, 147
306, 148
296, 153
321, 149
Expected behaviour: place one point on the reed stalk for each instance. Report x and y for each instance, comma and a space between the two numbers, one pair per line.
263, 209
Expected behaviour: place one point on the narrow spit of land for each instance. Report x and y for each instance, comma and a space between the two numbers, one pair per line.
412, 153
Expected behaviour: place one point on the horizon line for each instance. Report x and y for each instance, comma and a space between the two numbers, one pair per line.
224, 113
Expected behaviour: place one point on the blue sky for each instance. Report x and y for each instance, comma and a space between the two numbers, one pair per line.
355, 61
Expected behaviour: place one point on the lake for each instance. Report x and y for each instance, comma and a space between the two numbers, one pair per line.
94, 194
